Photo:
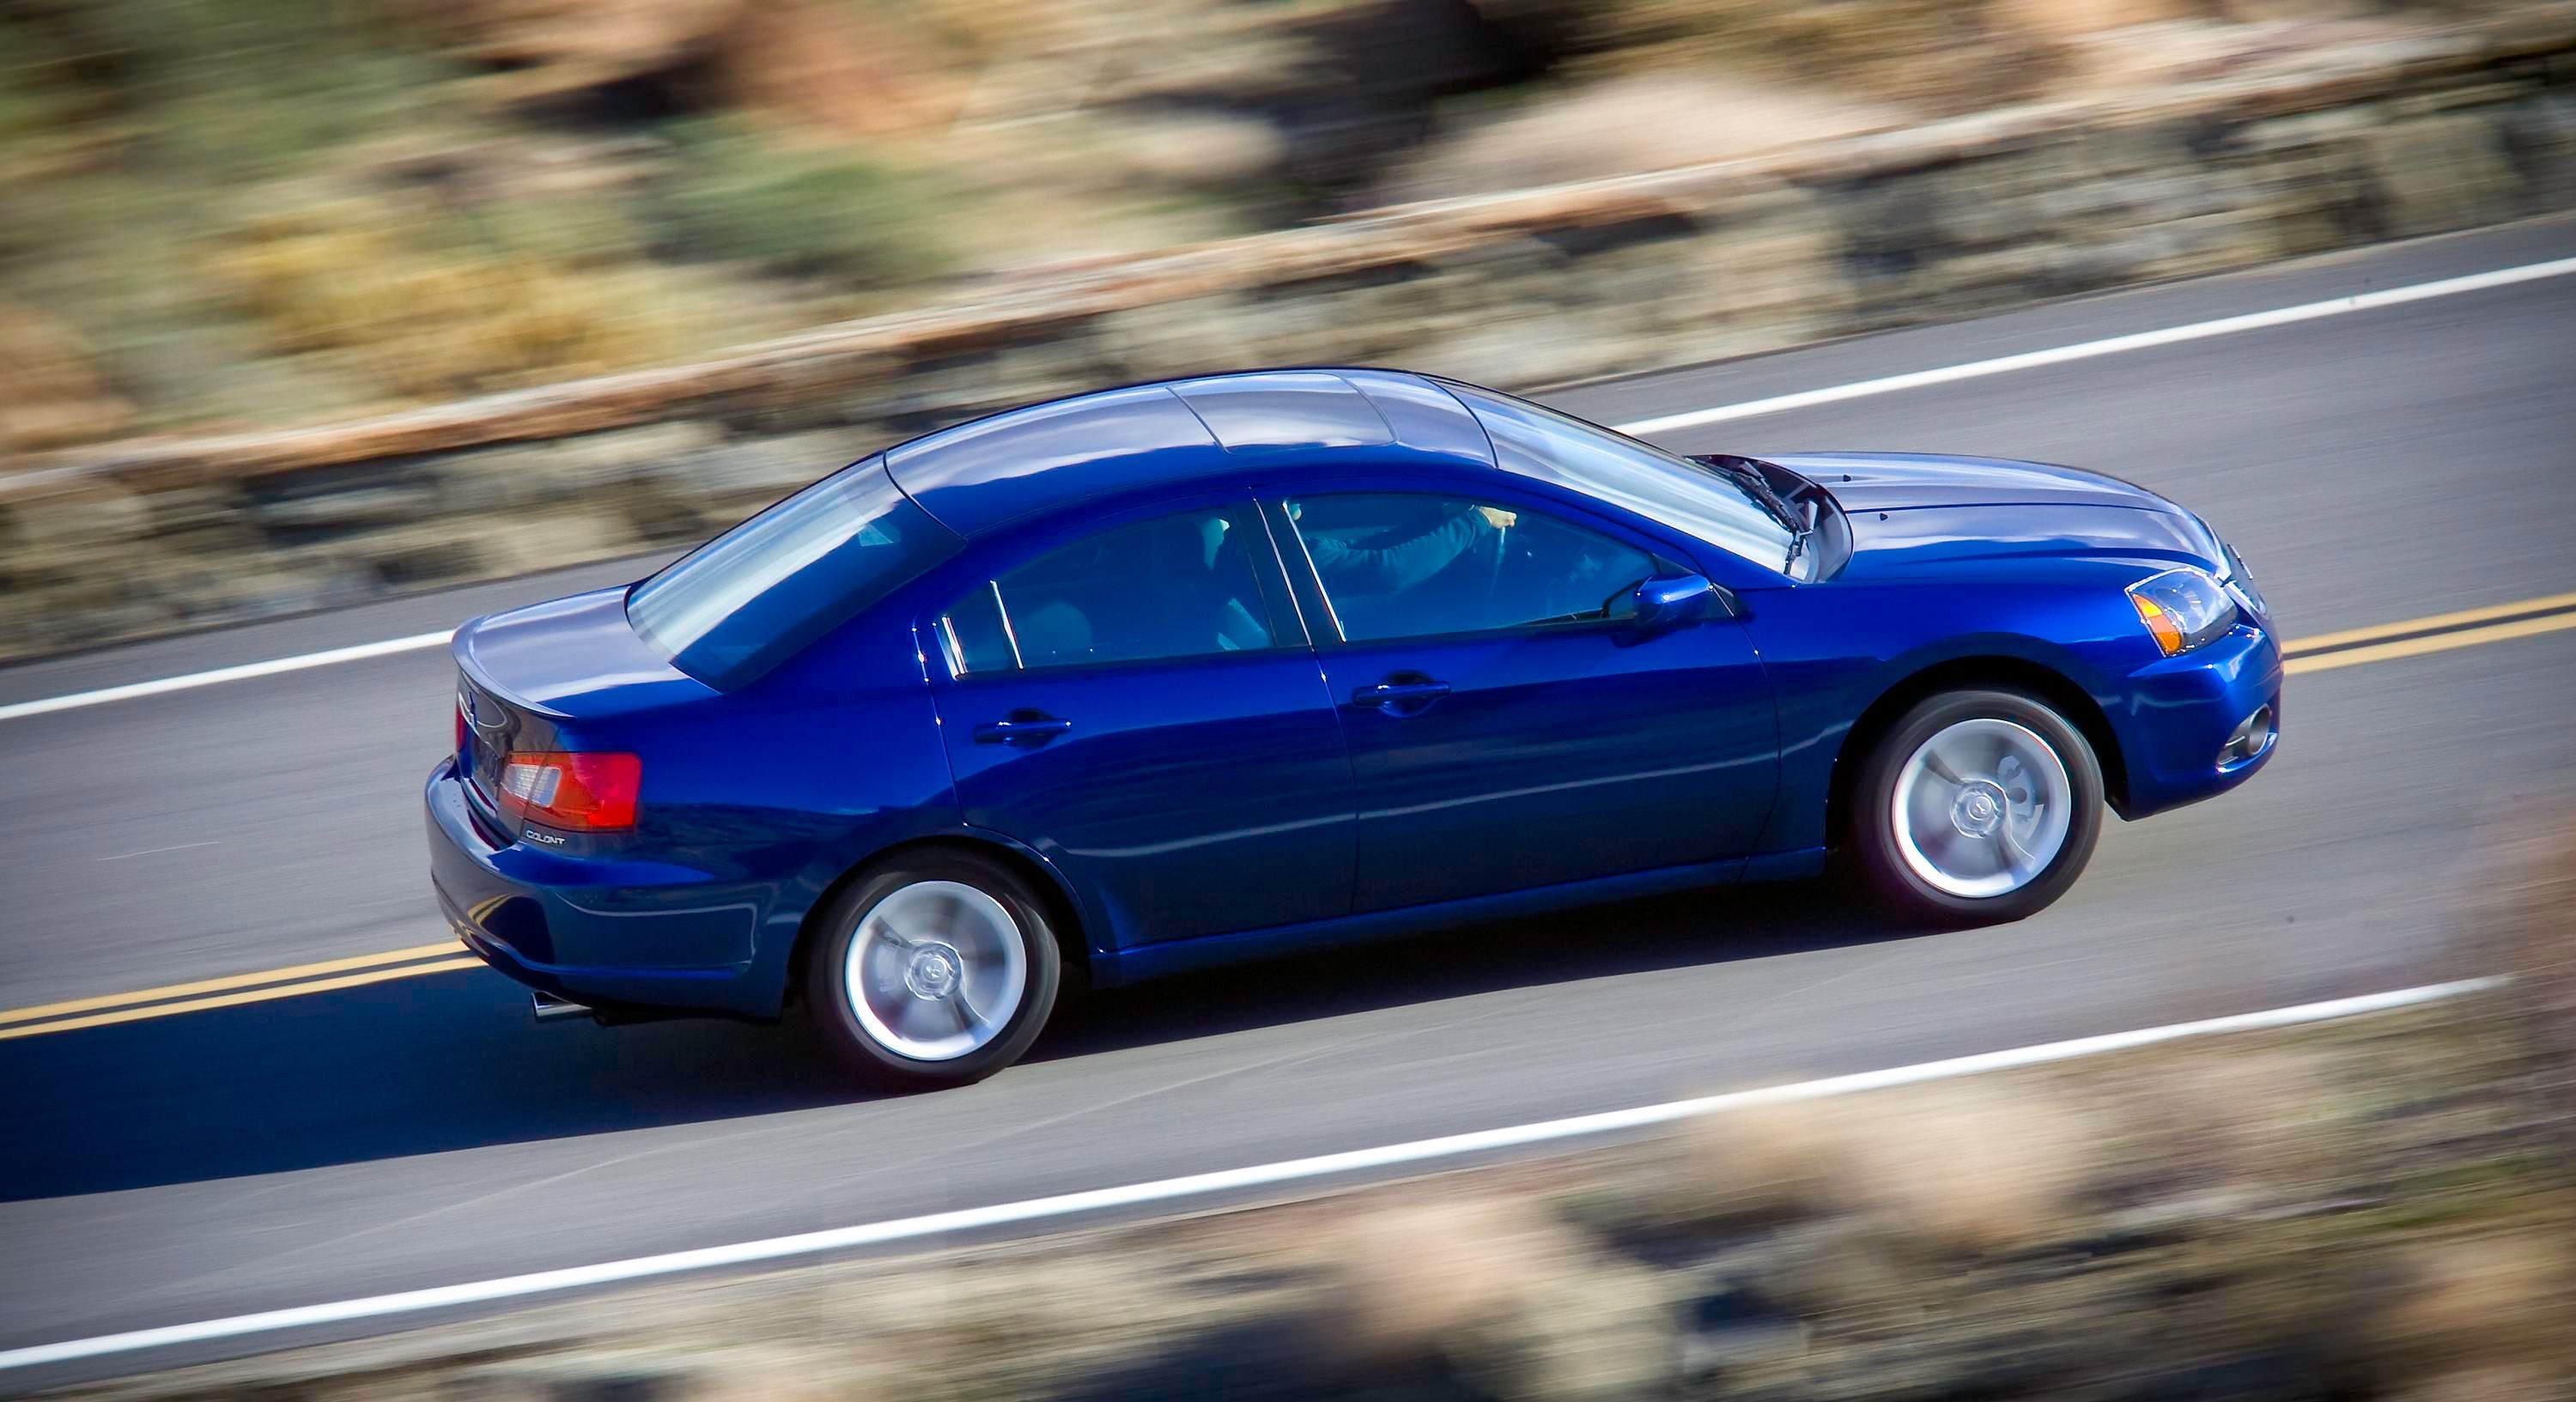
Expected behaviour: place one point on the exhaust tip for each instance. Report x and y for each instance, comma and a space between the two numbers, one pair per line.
549, 1008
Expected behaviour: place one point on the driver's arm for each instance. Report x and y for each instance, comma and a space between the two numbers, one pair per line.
1395, 568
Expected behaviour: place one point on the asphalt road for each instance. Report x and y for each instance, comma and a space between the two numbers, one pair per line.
2375, 467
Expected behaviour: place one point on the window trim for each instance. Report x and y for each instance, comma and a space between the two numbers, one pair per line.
1286, 626
955, 655
1312, 578
1309, 580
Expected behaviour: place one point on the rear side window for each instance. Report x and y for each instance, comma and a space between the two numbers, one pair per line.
1177, 586
745, 601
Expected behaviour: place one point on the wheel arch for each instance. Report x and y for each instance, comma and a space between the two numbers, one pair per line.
1963, 673
1064, 909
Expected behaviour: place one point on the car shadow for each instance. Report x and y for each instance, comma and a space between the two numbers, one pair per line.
1693, 928
453, 1061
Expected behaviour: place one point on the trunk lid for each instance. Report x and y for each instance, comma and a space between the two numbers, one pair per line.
552, 676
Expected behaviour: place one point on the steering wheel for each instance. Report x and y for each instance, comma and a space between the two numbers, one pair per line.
1494, 576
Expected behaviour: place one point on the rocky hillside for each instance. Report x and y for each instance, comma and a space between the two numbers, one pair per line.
239, 213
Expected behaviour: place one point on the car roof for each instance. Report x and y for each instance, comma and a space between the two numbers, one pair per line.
985, 474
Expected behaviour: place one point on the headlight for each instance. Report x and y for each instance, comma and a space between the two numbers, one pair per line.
2183, 608
2243, 579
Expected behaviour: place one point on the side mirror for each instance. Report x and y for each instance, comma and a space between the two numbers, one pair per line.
1679, 600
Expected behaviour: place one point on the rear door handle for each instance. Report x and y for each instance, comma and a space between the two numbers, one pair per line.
1023, 728
1391, 694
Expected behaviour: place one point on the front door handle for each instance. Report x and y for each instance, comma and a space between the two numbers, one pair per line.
1021, 728
1400, 697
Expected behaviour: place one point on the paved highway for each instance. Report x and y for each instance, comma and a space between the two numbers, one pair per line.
385, 1128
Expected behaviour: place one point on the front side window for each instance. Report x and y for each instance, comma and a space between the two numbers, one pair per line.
1398, 565
734, 607
1177, 586
1638, 476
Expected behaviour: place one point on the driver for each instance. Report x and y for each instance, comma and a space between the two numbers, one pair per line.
1392, 569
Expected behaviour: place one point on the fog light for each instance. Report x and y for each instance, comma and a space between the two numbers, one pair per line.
2252, 736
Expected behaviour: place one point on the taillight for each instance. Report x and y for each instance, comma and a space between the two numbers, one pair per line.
578, 790
459, 747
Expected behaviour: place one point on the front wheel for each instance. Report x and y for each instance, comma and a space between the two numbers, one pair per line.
1977, 807
935, 971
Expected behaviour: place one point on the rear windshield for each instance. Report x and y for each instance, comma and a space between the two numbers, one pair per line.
741, 603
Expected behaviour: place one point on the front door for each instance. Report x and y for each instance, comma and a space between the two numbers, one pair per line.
1509, 726
1130, 706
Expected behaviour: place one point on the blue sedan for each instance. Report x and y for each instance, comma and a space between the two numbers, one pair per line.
1188, 673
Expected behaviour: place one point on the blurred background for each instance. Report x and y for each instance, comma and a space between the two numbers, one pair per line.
227, 218
245, 244
309, 304
230, 213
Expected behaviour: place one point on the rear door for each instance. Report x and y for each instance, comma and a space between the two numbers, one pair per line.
1509, 725
1140, 706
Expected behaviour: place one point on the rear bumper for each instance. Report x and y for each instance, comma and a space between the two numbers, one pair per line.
2180, 713
603, 932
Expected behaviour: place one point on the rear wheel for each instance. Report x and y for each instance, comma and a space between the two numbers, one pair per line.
938, 969
1977, 807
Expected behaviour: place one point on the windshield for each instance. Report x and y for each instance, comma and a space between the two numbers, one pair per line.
1618, 469
737, 605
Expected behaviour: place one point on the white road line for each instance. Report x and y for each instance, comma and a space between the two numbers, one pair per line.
244, 672
1861, 389
157, 851
1195, 1185
2115, 345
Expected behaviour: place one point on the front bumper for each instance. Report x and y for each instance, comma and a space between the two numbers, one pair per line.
2178, 714
609, 933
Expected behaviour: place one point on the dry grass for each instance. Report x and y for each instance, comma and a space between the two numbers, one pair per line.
1957, 1168
1425, 1277
1765, 1162
2523, 924
882, 144
2065, 21
1943, 56
1977, 1169
776, 1381
2497, 1383
1499, 1290
56, 393
419, 319
1940, 55
2253, 1122
2480, 1306
1639, 122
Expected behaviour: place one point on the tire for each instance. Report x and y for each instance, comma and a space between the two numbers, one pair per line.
955, 971
2003, 844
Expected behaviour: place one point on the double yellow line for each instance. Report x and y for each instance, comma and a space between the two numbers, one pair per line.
2325, 652
234, 990
2439, 633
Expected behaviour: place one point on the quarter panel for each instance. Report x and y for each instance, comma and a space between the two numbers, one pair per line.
754, 801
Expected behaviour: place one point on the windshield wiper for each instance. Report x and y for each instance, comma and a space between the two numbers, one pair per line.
1806, 531
1756, 485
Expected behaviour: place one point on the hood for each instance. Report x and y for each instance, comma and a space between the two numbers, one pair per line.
1911, 510
1904, 481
